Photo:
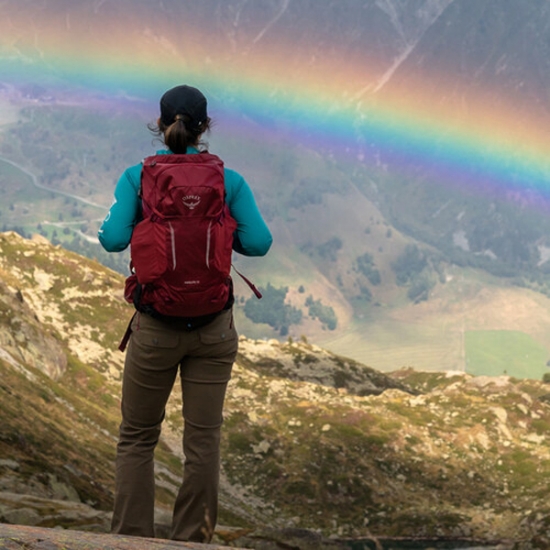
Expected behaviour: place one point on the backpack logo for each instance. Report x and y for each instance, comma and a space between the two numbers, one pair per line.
191, 201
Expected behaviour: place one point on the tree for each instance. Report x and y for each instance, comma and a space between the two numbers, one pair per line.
365, 265
272, 310
409, 264
420, 289
329, 249
325, 314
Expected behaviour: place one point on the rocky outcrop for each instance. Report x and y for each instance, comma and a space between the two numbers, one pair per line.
16, 537
302, 361
23, 340
64, 510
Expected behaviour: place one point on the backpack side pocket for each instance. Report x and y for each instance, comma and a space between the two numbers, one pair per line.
148, 250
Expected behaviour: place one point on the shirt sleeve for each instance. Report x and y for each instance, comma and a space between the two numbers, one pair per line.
116, 230
252, 237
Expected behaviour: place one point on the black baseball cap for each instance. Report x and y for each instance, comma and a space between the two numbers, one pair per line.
183, 100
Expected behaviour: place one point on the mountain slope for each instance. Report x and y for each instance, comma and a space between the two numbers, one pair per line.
482, 68
352, 451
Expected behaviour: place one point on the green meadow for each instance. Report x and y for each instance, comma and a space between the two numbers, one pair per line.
498, 352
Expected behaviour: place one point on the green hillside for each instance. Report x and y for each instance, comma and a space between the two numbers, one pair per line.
361, 286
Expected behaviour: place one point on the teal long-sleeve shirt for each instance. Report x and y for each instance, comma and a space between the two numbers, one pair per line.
252, 237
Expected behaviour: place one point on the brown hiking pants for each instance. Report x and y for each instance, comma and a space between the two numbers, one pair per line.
204, 358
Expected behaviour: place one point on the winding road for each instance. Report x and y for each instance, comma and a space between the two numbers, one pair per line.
38, 185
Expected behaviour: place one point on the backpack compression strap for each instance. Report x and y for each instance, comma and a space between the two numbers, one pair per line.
252, 286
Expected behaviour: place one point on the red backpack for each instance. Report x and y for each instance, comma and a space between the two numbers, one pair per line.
181, 249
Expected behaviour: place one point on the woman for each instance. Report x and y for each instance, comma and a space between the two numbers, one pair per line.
161, 346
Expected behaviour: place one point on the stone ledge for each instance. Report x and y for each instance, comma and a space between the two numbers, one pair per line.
18, 537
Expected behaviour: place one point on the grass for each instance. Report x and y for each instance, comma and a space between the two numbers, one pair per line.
469, 324
497, 352
386, 344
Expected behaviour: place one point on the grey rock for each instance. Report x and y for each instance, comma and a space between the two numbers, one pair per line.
23, 516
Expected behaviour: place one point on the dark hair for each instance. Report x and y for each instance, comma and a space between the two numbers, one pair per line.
178, 136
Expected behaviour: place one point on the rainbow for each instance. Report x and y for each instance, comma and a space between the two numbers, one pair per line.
497, 142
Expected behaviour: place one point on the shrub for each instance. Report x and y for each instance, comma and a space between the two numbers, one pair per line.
409, 264
365, 265
325, 314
